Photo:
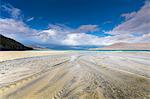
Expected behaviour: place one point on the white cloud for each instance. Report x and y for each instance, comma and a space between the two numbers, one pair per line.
11, 26
15, 28
107, 22
14, 12
61, 35
136, 28
129, 16
84, 39
46, 35
88, 28
136, 22
30, 19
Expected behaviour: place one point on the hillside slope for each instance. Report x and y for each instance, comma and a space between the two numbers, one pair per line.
126, 46
8, 44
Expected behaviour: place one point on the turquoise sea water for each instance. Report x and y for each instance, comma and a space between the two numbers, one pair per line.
97, 50
108, 51
123, 50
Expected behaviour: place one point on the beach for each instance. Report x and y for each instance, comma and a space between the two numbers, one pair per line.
74, 75
9, 55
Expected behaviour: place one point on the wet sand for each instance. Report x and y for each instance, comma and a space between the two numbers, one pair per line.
77, 75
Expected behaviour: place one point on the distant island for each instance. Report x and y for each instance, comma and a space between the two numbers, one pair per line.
8, 44
125, 46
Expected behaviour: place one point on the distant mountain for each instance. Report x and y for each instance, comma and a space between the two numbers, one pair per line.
67, 47
8, 44
125, 46
38, 47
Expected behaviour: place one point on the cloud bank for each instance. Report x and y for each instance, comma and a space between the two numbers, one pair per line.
14, 12
137, 24
135, 28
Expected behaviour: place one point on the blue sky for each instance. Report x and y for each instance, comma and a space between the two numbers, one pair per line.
74, 13
76, 22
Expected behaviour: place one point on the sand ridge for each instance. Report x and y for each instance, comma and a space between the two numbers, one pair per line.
77, 75
9, 55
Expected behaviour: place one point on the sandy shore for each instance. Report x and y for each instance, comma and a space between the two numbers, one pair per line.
9, 55
77, 75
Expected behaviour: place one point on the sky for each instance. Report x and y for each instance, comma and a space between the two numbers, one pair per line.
75, 22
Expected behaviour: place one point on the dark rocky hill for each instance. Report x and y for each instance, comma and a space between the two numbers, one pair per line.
8, 44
